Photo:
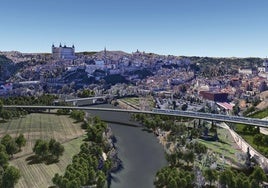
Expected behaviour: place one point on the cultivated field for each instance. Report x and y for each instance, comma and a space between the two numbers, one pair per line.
43, 126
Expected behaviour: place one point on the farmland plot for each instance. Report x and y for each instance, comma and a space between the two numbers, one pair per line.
43, 126
40, 175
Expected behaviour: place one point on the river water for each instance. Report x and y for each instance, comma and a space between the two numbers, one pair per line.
141, 154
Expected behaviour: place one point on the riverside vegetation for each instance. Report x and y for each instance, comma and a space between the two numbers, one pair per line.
186, 158
96, 159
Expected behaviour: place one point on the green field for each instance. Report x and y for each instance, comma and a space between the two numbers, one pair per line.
137, 101
225, 147
43, 126
260, 114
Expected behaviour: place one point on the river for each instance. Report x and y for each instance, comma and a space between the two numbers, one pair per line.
141, 154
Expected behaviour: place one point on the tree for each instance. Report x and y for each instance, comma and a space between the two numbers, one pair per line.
254, 184
10, 177
210, 175
11, 147
189, 157
57, 149
160, 180
107, 166
1, 106
258, 175
246, 184
20, 141
6, 139
226, 178
91, 175
101, 179
257, 139
57, 179
172, 158
172, 183
1, 175
184, 107
3, 158
236, 109
41, 148
265, 140
2, 148
51, 144
78, 115
5, 114
73, 184
239, 182
223, 180
174, 105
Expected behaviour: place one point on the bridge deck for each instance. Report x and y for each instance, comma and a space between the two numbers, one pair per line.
190, 114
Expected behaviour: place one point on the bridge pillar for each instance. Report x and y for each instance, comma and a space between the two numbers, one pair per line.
94, 101
212, 124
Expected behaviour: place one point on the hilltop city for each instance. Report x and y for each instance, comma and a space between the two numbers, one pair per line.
207, 113
214, 84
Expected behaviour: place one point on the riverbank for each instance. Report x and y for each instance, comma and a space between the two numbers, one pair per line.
139, 151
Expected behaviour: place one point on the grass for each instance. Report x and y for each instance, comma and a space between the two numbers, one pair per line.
43, 126
135, 101
40, 175
260, 114
225, 147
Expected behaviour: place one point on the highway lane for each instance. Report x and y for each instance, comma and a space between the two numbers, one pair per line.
190, 114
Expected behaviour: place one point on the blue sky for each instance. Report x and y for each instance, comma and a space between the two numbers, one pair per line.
218, 28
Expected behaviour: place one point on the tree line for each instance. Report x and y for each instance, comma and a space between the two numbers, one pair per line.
88, 167
23, 100
9, 175
48, 151
30, 100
